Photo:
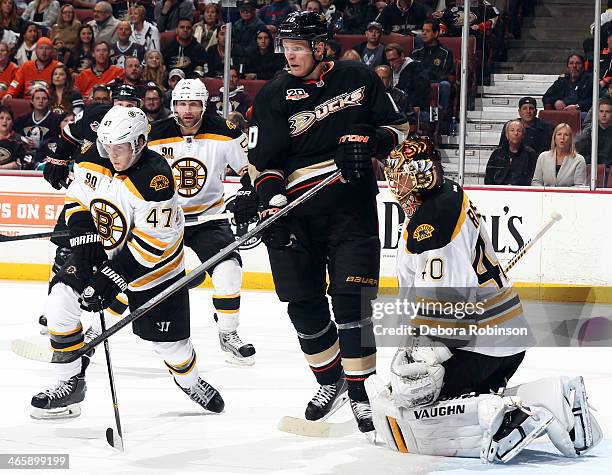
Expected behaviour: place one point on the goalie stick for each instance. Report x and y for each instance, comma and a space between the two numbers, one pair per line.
55, 234
320, 428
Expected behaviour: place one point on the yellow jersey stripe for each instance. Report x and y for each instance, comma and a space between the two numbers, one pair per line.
461, 220
147, 256
161, 245
94, 167
152, 143
203, 207
222, 138
68, 333
150, 277
130, 186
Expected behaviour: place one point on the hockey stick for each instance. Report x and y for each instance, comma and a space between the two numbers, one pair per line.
198, 271
56, 234
554, 217
115, 439
320, 428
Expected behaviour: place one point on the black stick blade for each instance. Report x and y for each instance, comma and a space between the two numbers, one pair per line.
113, 439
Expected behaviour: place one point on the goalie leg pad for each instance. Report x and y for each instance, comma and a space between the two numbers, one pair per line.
574, 430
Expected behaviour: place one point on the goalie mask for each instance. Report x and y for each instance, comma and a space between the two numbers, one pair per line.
412, 169
122, 135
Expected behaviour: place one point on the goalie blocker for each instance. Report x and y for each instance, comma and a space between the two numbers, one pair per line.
489, 426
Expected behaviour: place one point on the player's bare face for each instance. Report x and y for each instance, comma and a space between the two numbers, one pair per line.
299, 57
189, 112
120, 155
124, 103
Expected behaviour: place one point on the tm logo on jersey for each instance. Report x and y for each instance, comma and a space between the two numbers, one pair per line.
302, 121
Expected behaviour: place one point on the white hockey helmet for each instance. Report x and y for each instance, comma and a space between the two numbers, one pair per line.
189, 90
123, 125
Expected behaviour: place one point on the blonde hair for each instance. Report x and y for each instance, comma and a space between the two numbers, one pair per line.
158, 76
553, 145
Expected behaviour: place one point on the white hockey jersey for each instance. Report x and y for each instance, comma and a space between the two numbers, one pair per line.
199, 162
461, 293
136, 214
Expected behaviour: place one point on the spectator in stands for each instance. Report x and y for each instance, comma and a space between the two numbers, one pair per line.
561, 165
42, 12
154, 69
104, 24
184, 52
82, 54
216, 55
397, 96
32, 73
174, 77
50, 142
514, 162
537, 133
351, 55
332, 13
264, 63
7, 68
9, 19
39, 124
62, 96
26, 49
438, 62
356, 16
100, 94
483, 18
332, 50
205, 31
133, 75
403, 17
604, 135
410, 77
124, 46
9, 37
12, 151
67, 27
275, 13
244, 31
153, 104
101, 72
372, 51
239, 100
62, 54
168, 13
313, 6
143, 33
605, 64
572, 91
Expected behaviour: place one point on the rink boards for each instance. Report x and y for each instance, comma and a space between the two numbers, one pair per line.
570, 263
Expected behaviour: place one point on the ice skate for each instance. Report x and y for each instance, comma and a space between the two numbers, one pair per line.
62, 400
205, 395
238, 351
329, 398
363, 415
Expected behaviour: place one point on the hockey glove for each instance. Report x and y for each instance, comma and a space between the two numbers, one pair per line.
355, 151
87, 250
270, 187
56, 172
102, 289
246, 202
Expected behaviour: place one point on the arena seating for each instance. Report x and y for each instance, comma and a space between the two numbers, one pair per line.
559, 117
18, 106
84, 14
251, 86
602, 176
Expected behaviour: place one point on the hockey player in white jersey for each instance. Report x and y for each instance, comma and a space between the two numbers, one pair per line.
199, 148
126, 233
448, 395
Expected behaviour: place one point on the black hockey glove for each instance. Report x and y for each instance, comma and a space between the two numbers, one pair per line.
56, 172
246, 202
278, 234
271, 190
355, 151
102, 289
87, 250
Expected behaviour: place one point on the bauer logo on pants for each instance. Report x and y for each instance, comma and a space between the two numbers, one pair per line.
110, 223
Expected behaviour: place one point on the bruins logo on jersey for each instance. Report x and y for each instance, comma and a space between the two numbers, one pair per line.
159, 182
110, 223
189, 175
423, 231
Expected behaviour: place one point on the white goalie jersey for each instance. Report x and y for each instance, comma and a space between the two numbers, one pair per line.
136, 213
199, 162
460, 292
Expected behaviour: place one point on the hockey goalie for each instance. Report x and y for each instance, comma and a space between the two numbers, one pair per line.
448, 396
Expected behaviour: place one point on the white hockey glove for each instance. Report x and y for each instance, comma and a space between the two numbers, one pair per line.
417, 374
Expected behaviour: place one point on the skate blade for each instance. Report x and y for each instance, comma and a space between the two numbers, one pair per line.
32, 351
303, 427
69, 412
239, 361
341, 401
527, 440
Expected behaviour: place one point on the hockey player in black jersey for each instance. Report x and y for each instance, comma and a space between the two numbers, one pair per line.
73, 137
306, 124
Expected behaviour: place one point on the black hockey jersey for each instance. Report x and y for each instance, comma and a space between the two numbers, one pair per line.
296, 124
484, 15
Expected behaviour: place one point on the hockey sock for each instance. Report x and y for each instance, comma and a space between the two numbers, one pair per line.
180, 359
227, 280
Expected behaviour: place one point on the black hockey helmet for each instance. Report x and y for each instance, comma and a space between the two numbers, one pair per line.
128, 93
303, 25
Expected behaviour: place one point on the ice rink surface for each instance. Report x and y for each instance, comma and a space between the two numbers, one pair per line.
165, 432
